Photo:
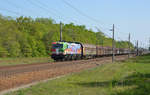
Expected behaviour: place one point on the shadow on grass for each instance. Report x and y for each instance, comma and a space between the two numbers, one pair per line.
139, 80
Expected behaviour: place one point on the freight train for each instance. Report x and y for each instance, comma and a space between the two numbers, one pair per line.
76, 50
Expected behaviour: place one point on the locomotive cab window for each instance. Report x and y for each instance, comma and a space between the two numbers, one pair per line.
54, 46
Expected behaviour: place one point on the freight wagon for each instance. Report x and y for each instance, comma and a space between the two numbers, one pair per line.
75, 50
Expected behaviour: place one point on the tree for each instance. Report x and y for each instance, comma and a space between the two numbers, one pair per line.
3, 52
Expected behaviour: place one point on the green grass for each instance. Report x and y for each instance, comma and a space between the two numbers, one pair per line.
123, 78
15, 61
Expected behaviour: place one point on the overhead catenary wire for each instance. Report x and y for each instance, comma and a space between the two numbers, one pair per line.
13, 4
99, 24
61, 15
45, 7
20, 7
122, 32
80, 12
10, 11
42, 4
54, 11
37, 4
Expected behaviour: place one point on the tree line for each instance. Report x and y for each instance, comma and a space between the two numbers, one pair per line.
28, 37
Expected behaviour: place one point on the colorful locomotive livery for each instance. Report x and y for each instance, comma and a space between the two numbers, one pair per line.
76, 50
66, 50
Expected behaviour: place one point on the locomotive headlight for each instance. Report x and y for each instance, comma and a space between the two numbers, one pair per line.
65, 52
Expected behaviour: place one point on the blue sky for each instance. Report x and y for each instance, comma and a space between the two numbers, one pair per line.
129, 16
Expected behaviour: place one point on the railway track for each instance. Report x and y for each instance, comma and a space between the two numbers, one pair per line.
14, 76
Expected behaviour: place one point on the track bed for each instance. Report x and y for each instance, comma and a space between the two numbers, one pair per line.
14, 76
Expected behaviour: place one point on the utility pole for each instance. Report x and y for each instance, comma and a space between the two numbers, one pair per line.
119, 47
137, 48
60, 31
113, 43
129, 47
101, 42
149, 45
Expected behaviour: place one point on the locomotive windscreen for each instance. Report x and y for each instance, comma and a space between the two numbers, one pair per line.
57, 46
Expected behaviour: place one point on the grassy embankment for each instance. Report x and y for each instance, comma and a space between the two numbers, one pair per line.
123, 78
15, 61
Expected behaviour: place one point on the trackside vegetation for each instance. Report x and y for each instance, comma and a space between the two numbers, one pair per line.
24, 60
131, 77
28, 37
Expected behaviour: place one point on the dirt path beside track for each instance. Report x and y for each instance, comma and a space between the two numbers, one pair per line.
15, 76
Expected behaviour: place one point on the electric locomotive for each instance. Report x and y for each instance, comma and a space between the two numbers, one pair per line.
66, 50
